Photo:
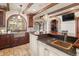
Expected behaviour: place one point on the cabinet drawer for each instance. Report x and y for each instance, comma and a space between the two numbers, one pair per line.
77, 50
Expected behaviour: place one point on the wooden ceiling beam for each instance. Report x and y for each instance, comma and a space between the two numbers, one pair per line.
67, 7
64, 8
8, 7
45, 8
28, 6
67, 12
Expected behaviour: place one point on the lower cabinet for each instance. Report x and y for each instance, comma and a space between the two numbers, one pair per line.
46, 50
5, 40
20, 40
33, 44
8, 40
77, 50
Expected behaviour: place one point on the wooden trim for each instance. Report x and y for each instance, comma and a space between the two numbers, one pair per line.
66, 12
64, 8
30, 18
8, 7
3, 8
45, 8
2, 18
77, 18
28, 6
76, 26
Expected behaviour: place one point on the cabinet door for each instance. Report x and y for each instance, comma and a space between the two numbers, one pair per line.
2, 42
6, 38
46, 50
52, 52
77, 27
26, 38
30, 18
33, 44
77, 50
41, 49
17, 41
56, 52
2, 18
49, 50
20, 40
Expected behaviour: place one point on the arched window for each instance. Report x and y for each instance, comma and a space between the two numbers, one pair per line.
16, 23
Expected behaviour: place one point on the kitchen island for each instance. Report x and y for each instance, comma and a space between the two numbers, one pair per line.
13, 39
47, 39
43, 47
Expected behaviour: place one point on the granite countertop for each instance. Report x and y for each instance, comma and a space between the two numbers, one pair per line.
76, 44
35, 34
45, 38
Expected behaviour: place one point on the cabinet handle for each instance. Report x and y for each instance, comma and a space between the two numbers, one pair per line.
45, 48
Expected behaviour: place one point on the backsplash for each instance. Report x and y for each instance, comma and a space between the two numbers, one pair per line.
61, 37
2, 30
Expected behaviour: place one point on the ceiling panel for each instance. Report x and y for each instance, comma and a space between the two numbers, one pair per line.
16, 6
36, 7
54, 8
3, 4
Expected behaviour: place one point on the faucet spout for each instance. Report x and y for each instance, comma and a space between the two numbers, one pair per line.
65, 37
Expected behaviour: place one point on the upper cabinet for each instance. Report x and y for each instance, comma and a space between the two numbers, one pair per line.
30, 17
2, 18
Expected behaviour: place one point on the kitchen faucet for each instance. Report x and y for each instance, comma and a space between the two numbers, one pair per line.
65, 35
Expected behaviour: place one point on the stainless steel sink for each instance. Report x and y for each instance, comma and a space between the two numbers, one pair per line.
61, 44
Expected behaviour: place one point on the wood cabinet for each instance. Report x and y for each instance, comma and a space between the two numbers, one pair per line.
20, 40
8, 40
77, 27
30, 18
2, 18
5, 40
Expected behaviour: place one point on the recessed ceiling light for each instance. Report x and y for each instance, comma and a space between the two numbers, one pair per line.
72, 8
34, 10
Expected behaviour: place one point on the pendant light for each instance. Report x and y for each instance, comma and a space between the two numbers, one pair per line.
19, 17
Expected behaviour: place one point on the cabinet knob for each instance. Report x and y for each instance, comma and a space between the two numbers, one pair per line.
46, 49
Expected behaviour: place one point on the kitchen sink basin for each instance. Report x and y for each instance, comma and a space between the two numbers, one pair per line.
61, 44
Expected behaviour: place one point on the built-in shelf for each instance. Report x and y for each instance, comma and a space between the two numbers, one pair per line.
16, 24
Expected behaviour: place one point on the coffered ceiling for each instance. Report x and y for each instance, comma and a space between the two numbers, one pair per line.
36, 8
26, 7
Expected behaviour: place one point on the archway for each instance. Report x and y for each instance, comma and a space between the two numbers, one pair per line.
16, 23
54, 25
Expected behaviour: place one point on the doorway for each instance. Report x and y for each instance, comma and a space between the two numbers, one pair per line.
54, 26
